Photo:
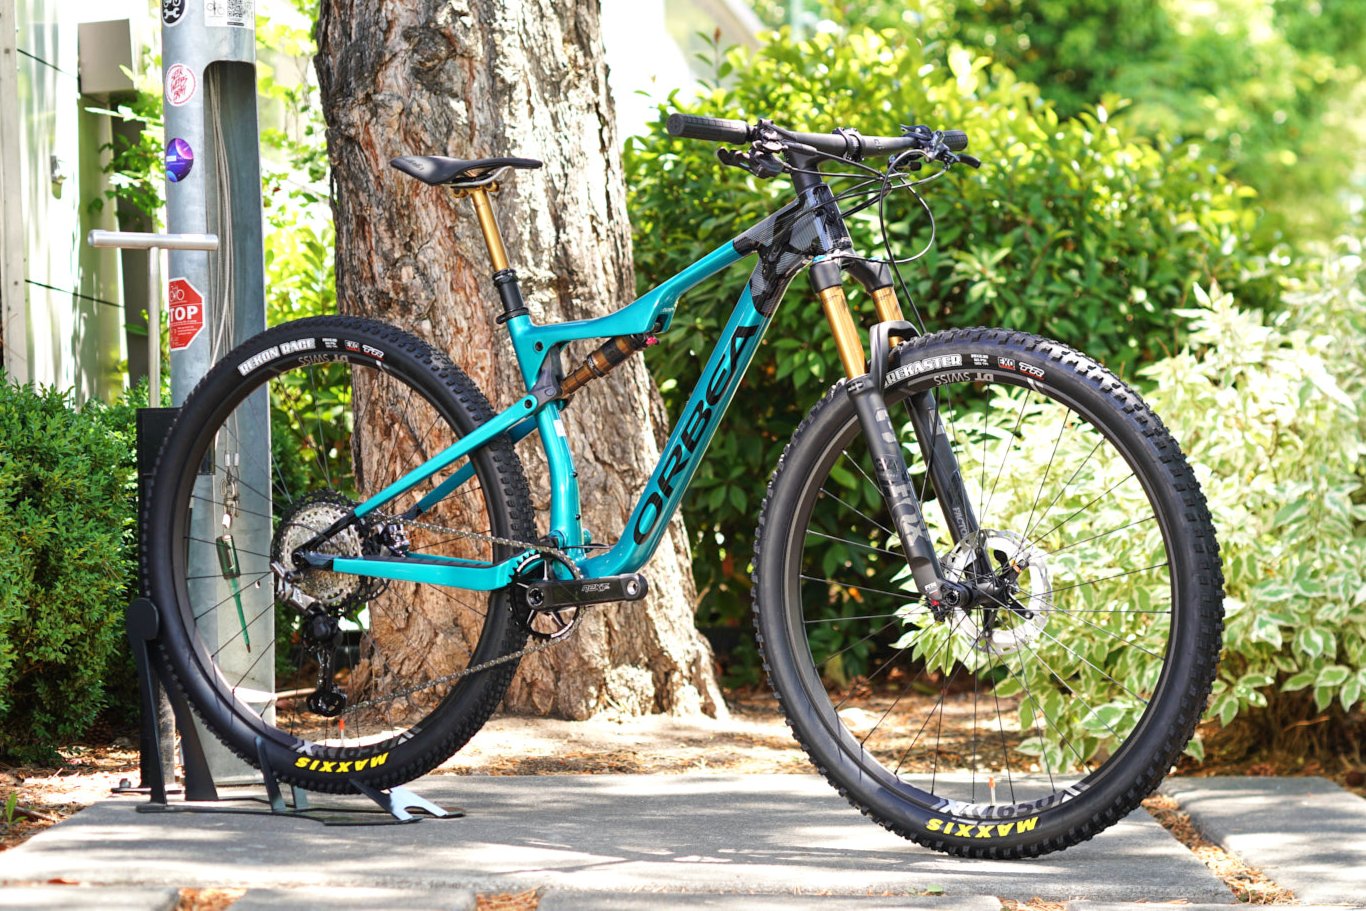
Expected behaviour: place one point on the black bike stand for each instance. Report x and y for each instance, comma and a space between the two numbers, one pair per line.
143, 623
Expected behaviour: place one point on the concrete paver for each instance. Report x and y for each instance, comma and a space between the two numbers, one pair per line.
1143, 906
106, 898
355, 898
740, 901
1307, 834
773, 834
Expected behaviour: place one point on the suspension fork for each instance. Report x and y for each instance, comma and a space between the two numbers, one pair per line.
864, 388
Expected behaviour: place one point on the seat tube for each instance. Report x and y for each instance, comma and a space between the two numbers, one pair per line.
566, 520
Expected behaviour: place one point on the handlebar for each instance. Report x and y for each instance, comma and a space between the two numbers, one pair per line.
712, 129
843, 143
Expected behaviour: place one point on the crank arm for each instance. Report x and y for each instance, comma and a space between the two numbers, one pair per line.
558, 594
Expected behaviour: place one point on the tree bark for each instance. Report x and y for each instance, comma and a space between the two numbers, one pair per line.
483, 78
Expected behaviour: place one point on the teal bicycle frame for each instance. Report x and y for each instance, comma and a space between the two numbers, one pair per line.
534, 344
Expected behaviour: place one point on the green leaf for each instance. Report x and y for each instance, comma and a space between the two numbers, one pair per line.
1195, 748
1332, 675
1299, 681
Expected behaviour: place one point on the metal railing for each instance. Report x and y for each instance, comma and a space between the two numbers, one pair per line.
154, 243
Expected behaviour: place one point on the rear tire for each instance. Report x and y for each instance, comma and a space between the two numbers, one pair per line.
351, 405
1020, 730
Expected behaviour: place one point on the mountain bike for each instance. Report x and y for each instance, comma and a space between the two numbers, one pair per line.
986, 585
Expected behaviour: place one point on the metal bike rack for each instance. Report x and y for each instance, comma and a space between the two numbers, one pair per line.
159, 713
154, 244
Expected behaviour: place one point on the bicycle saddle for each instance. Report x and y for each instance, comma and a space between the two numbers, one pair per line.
435, 169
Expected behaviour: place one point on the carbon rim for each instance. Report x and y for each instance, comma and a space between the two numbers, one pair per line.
341, 430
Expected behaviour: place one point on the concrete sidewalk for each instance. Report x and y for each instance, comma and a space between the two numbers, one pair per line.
589, 841
1307, 834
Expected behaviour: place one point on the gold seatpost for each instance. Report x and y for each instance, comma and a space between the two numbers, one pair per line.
483, 210
825, 279
504, 279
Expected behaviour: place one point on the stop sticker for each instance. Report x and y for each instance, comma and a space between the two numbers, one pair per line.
187, 313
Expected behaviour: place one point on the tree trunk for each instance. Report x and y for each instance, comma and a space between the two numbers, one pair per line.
483, 78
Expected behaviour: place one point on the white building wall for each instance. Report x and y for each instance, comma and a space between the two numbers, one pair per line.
72, 316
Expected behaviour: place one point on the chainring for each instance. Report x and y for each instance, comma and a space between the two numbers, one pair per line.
547, 625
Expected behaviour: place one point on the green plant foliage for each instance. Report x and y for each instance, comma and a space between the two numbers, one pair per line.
67, 479
1272, 87
1078, 229
1270, 411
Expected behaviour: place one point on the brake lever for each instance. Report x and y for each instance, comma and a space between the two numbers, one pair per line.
756, 162
731, 158
951, 158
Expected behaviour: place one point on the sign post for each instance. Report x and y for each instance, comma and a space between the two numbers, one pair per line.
213, 175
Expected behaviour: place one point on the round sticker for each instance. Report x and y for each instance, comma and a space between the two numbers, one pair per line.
171, 11
179, 160
180, 84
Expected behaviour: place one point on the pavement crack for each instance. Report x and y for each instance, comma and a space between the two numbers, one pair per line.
1247, 883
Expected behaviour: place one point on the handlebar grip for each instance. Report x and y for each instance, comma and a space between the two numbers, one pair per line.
956, 140
713, 129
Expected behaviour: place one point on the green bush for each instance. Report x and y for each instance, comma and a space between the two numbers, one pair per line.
1270, 411
1271, 87
67, 479
1078, 229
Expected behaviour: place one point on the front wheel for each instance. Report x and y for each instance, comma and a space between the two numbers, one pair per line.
1034, 719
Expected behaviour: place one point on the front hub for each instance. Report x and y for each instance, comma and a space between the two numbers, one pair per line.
1012, 596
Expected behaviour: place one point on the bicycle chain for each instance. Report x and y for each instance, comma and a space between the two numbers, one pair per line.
493, 662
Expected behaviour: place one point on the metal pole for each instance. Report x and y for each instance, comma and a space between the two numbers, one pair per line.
213, 173
154, 244
154, 325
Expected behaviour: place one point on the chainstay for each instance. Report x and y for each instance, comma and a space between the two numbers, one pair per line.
493, 662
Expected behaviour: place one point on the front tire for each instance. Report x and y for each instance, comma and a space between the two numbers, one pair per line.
1007, 732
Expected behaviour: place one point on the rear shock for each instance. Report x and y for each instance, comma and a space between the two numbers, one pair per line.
606, 358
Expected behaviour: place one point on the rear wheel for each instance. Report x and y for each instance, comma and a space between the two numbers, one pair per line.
341, 677
1038, 717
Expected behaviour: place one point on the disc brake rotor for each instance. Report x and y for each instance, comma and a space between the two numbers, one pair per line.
1017, 616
